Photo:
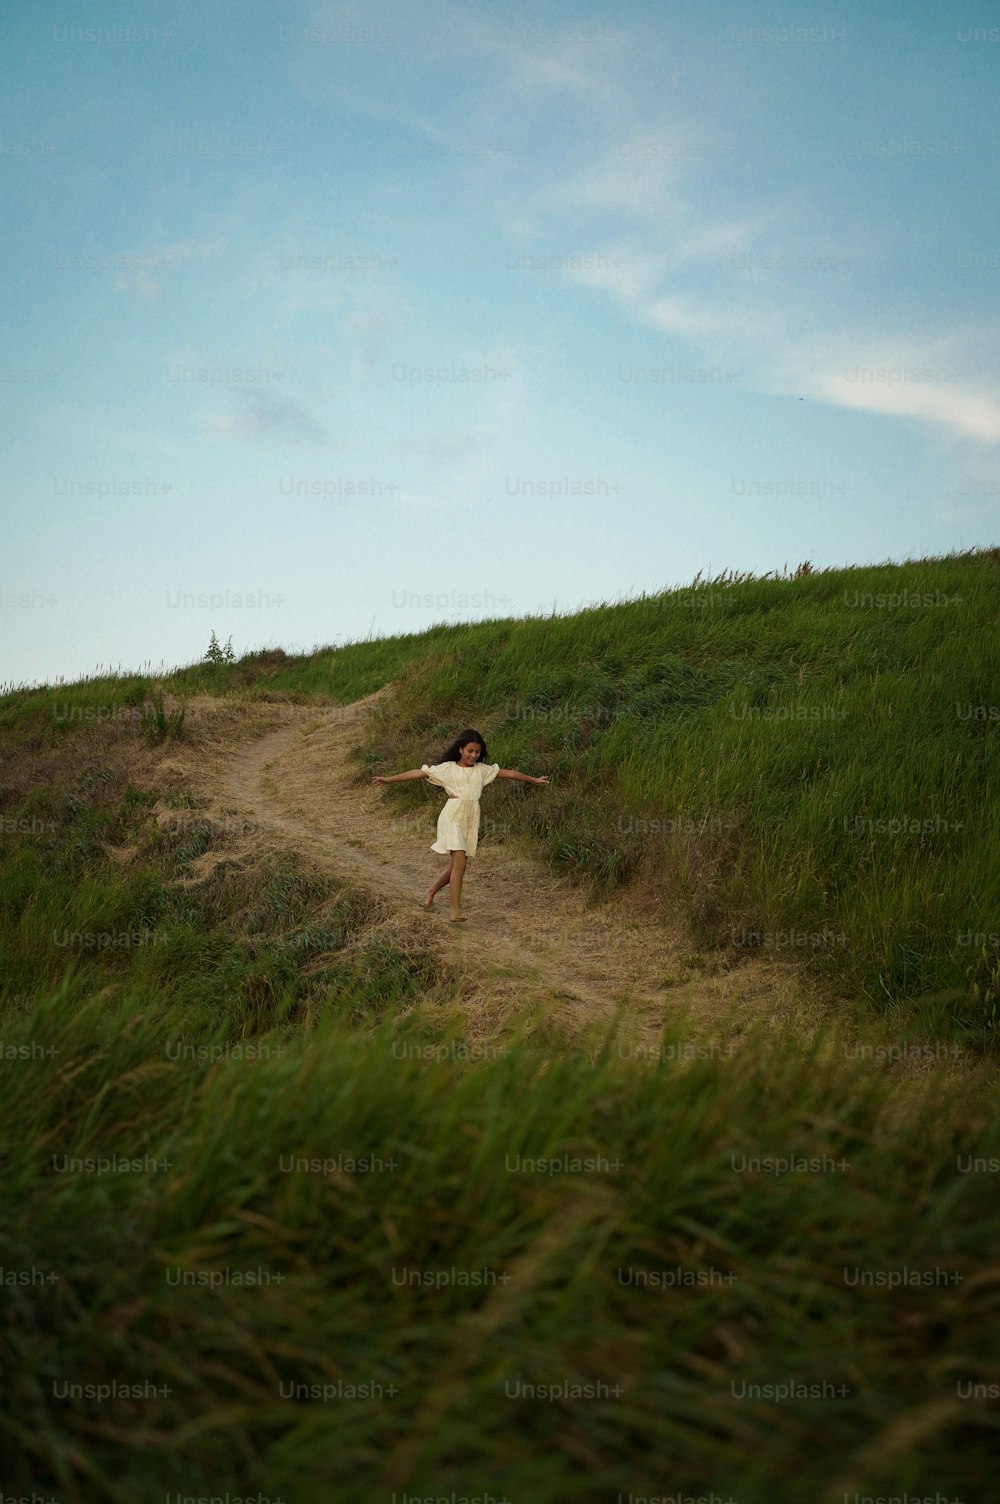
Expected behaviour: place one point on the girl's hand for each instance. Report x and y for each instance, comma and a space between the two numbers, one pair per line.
540, 780
379, 779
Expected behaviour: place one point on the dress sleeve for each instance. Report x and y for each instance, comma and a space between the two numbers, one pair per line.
490, 771
439, 773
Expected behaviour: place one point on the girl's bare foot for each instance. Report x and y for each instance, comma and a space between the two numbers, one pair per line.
429, 898
459, 918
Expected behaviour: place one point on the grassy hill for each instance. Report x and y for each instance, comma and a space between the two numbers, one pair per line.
297, 1242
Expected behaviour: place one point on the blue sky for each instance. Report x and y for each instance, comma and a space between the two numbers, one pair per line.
326, 320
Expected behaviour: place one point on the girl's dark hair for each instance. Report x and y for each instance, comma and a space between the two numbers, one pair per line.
454, 752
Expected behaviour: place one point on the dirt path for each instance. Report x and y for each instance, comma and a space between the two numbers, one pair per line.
280, 775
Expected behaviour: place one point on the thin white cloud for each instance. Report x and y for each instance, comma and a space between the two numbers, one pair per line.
939, 380
622, 270
684, 316
262, 417
636, 185
902, 390
536, 54
661, 200
142, 270
535, 69
756, 325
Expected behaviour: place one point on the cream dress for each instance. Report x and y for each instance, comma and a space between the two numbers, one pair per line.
458, 822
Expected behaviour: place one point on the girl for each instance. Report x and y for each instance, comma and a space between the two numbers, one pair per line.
463, 772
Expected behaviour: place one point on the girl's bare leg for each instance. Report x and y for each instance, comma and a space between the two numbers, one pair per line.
442, 882
458, 861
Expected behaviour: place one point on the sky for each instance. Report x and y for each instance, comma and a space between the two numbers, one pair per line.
326, 321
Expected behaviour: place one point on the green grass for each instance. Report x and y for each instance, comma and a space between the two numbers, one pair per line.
434, 1261
248, 1022
801, 768
738, 744
240, 949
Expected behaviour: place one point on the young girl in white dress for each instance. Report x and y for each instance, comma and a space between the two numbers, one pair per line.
463, 773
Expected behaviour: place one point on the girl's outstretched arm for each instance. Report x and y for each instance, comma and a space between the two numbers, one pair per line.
522, 777
400, 777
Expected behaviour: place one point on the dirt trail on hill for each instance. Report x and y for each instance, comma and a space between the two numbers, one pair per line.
279, 775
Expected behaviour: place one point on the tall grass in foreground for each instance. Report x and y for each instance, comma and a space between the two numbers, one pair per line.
341, 1264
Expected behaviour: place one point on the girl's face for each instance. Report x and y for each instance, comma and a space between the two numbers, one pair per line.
469, 755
